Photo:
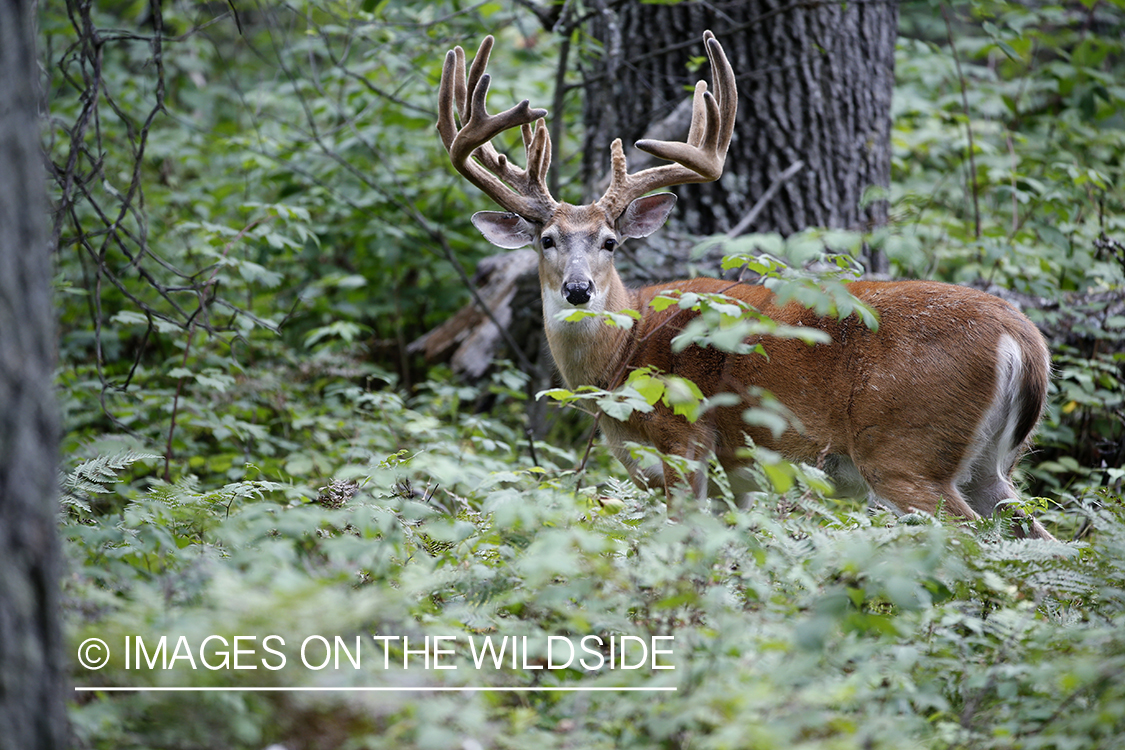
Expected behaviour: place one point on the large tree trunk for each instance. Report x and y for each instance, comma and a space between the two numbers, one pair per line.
815, 84
32, 711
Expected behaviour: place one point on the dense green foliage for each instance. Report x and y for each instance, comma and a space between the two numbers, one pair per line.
254, 217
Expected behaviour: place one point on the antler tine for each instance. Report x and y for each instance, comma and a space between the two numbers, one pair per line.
521, 191
476, 73
698, 159
450, 94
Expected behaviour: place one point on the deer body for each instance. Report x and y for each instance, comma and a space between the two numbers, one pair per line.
931, 410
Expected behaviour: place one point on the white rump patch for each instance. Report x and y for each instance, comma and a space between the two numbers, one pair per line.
983, 478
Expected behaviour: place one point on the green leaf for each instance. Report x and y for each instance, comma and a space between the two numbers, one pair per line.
651, 388
684, 397
344, 330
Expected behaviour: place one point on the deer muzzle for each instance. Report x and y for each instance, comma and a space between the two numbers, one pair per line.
578, 291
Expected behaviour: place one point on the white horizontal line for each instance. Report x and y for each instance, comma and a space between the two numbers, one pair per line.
480, 689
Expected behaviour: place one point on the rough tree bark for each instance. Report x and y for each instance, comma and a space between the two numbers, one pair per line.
815, 82
32, 711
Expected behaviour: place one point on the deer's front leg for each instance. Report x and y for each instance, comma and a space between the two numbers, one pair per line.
691, 470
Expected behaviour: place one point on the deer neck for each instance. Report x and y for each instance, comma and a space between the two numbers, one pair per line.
588, 351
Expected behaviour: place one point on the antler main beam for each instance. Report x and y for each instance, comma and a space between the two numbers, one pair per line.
700, 159
521, 191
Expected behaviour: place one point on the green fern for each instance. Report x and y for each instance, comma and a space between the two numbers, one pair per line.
96, 477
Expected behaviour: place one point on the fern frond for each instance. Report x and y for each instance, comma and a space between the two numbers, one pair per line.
1060, 581
1027, 551
96, 477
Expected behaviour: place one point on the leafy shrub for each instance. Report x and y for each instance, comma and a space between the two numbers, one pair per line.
805, 624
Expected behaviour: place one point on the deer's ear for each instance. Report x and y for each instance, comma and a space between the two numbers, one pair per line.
645, 215
503, 229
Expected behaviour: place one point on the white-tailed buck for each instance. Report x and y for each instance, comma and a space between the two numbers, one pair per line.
930, 410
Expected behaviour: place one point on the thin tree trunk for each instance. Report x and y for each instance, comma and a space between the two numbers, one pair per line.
32, 710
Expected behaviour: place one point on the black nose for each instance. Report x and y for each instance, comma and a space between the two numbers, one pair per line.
578, 292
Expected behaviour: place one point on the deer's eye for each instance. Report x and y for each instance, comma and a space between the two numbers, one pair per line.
609, 244
547, 242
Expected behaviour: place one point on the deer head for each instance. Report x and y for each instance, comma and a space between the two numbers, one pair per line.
575, 243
